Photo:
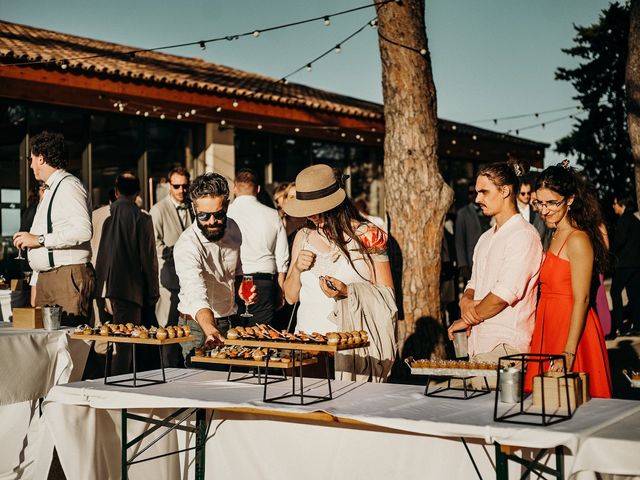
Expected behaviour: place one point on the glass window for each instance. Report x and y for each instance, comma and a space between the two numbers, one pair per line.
332, 154
116, 147
252, 151
289, 156
69, 122
167, 145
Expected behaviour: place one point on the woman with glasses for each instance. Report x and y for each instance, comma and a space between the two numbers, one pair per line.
566, 320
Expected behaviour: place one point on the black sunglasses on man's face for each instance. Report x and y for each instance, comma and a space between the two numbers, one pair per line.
205, 216
183, 186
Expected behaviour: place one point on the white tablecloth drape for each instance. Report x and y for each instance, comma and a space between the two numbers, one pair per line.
31, 363
406, 431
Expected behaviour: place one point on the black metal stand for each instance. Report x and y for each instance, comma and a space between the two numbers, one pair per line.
468, 392
531, 466
259, 376
126, 382
282, 399
517, 412
201, 430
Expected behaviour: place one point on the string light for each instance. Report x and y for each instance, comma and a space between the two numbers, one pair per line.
296, 129
423, 51
203, 46
64, 65
179, 116
219, 109
186, 114
235, 104
327, 21
308, 67
373, 23
338, 49
193, 111
223, 122
201, 43
162, 116
138, 112
146, 114
259, 127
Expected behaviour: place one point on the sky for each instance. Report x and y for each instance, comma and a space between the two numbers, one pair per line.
491, 58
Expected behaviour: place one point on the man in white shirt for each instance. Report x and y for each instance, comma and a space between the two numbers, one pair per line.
59, 238
265, 251
499, 303
207, 258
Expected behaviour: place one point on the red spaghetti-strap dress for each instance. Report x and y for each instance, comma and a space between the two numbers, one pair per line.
553, 317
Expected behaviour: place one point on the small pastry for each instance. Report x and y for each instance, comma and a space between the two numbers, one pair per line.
135, 332
87, 330
161, 334
129, 325
232, 334
179, 332
144, 334
171, 333
333, 338
104, 330
187, 330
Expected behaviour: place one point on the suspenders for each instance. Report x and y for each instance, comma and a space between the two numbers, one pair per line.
49, 223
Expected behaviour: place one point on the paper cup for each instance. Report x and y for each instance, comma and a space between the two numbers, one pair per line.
461, 344
51, 318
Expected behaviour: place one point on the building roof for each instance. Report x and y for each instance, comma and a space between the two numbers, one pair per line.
22, 43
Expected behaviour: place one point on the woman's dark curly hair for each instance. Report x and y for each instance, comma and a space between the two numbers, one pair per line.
585, 213
52, 147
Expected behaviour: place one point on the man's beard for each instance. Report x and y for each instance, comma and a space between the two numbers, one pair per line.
213, 234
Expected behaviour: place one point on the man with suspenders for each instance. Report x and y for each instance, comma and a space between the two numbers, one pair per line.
59, 239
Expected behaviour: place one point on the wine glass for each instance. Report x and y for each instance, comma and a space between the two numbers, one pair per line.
20, 257
245, 293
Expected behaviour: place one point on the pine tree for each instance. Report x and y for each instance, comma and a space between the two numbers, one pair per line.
601, 141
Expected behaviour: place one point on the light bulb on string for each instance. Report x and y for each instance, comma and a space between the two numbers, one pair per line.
235, 104
115, 105
223, 122
256, 33
327, 21
138, 112
146, 114
259, 127
423, 51
543, 125
338, 48
219, 109
193, 111
179, 116
308, 67
162, 116
203, 46
373, 23
296, 129
343, 134
64, 65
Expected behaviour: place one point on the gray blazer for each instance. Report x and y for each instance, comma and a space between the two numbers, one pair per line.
167, 229
467, 232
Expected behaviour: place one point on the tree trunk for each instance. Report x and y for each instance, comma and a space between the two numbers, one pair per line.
417, 198
632, 83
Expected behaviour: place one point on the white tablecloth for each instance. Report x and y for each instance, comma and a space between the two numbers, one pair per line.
425, 439
31, 363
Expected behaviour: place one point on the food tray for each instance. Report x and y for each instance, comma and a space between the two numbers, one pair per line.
136, 340
635, 383
253, 363
301, 346
452, 372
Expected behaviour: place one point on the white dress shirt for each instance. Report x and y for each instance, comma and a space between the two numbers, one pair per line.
525, 210
264, 238
70, 220
183, 213
506, 262
207, 270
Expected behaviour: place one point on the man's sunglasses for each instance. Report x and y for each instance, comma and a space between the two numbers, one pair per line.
184, 186
205, 216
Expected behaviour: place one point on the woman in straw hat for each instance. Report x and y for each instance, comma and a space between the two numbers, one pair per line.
337, 248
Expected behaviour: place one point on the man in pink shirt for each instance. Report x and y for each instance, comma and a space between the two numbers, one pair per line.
499, 303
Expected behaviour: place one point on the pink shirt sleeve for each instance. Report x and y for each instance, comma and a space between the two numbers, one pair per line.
521, 262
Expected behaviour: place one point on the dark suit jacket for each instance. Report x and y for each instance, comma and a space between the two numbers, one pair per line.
626, 242
127, 267
467, 232
535, 219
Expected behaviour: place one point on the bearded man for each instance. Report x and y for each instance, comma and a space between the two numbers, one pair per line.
207, 259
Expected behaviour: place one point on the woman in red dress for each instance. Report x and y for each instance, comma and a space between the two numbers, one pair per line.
566, 320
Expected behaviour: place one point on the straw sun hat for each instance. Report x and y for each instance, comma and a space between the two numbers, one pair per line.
317, 191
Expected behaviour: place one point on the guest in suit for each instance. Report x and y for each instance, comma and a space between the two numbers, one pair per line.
626, 251
527, 211
171, 216
470, 224
127, 267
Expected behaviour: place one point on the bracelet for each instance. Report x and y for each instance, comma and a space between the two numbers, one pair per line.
569, 353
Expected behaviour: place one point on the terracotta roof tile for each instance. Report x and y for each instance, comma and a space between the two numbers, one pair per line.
20, 43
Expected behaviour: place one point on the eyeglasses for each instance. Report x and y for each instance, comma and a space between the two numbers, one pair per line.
525, 194
205, 216
551, 205
183, 186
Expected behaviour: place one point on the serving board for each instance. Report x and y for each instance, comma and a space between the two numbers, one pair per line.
253, 363
136, 340
301, 346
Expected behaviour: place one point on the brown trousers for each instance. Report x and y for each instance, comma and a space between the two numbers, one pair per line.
69, 286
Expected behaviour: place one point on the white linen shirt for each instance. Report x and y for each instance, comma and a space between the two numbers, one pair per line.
207, 270
506, 262
264, 238
71, 224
